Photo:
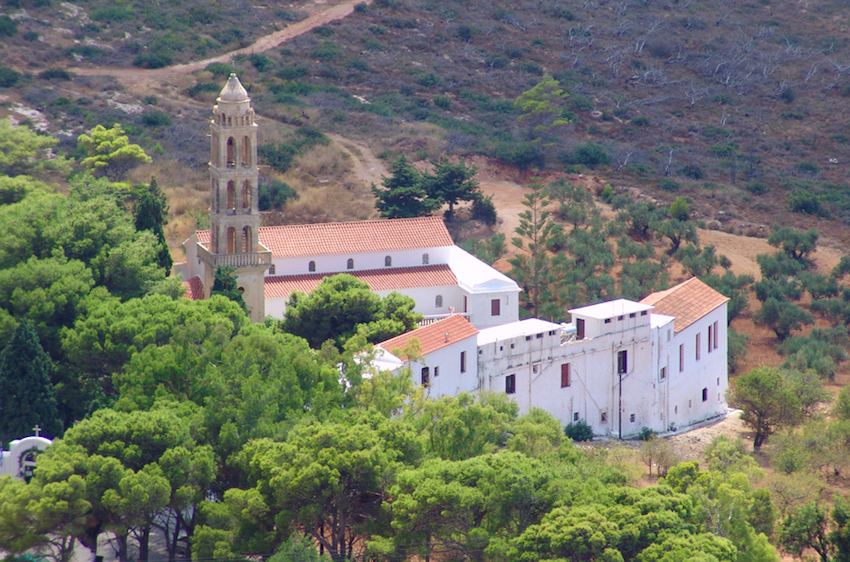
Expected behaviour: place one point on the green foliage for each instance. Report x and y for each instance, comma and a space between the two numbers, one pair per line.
806, 528
8, 26
484, 210
782, 317
219, 69
404, 194
451, 183
668, 184
340, 306
531, 269
767, 400
108, 151
796, 245
55, 74
156, 119
489, 250
274, 195
542, 104
589, 154
736, 348
579, 431
299, 549
679, 209
151, 211
226, 285
25, 387
21, 151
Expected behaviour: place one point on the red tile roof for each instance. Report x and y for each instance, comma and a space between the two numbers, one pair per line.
194, 288
687, 302
389, 279
350, 237
434, 336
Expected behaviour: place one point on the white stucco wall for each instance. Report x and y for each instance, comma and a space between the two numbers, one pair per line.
338, 263
450, 381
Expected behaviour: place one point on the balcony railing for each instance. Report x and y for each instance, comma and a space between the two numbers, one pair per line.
431, 318
247, 259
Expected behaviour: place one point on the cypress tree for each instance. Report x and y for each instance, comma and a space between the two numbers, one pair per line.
26, 393
152, 214
225, 285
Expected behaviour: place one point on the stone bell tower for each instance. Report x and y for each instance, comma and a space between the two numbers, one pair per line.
234, 195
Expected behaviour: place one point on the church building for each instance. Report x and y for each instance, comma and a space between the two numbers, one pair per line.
415, 257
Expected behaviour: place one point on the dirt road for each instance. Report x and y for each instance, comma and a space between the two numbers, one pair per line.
135, 79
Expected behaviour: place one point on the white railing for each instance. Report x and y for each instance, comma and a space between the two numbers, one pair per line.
431, 318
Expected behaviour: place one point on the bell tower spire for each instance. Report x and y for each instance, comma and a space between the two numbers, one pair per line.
234, 194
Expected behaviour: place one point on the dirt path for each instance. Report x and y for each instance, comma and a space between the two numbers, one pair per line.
366, 167
136, 78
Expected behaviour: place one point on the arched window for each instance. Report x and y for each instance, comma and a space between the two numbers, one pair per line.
231, 153
425, 259
247, 240
246, 195
311, 266
438, 302
231, 240
231, 197
388, 261
350, 264
246, 151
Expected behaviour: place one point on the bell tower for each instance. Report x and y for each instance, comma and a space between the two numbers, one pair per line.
234, 194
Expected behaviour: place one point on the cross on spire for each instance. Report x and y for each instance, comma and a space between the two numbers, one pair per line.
37, 429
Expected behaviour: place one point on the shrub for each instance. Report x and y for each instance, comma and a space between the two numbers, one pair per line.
232, 35
787, 95
8, 77
55, 74
361, 8
111, 14
531, 68
484, 210
692, 171
520, 154
607, 194
579, 431
646, 434
590, 155
275, 194
429, 79
202, 87
292, 72
443, 102
30, 36
324, 31
261, 62
640, 121
464, 33
219, 69
805, 202
8, 26
756, 187
156, 119
668, 184
153, 60
679, 209
326, 51
807, 168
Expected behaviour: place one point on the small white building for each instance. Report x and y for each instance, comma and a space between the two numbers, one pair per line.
619, 366
20, 460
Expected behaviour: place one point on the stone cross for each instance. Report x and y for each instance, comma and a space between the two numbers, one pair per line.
37, 428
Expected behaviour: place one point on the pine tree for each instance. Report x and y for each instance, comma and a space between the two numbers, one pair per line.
403, 194
26, 393
152, 214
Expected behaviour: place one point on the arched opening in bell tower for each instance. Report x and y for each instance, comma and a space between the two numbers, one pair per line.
231, 240
246, 152
247, 240
231, 153
246, 196
231, 197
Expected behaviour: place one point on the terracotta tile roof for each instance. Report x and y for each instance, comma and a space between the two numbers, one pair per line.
687, 302
433, 336
350, 237
389, 279
194, 288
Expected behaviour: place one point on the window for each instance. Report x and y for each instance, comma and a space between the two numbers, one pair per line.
681, 357
663, 374
426, 378
246, 195
510, 384
527, 338
464, 304
565, 375
438, 302
539, 336
676, 410
714, 342
669, 334
690, 403
696, 351
643, 313
705, 395
436, 372
350, 264
718, 381
311, 266
710, 333
575, 416
425, 259
272, 270
495, 307
607, 320
632, 418
603, 417
462, 361
622, 362
247, 240
580, 328
388, 261
632, 315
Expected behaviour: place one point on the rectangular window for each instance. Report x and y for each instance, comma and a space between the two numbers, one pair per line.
632, 418
710, 339
510, 384
632, 315
575, 416
426, 378
495, 307
603, 417
714, 343
705, 395
565, 375
697, 349
580, 328
622, 362
663, 374
681, 357
464, 304
462, 361
271, 270
436, 372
